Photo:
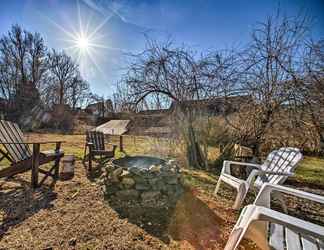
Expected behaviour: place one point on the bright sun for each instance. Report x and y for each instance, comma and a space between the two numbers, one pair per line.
82, 43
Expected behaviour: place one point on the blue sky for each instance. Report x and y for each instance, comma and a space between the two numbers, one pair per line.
118, 27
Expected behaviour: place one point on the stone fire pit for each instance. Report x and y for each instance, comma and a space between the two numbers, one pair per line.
143, 180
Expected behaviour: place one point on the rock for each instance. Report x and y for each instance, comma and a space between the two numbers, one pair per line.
150, 195
171, 162
72, 241
128, 182
172, 180
134, 170
140, 186
129, 194
100, 182
140, 180
116, 174
110, 189
103, 175
125, 173
153, 181
158, 186
155, 168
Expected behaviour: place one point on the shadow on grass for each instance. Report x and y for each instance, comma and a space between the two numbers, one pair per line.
195, 223
18, 201
188, 219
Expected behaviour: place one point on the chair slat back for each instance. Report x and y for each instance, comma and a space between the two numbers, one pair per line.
284, 160
10, 132
97, 138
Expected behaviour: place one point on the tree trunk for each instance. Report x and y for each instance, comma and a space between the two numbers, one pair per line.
194, 154
61, 93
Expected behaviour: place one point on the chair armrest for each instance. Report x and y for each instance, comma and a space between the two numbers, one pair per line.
227, 165
264, 196
253, 213
41, 142
275, 173
296, 224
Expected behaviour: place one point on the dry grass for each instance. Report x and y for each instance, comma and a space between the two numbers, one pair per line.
74, 214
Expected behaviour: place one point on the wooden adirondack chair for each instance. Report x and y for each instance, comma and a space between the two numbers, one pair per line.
274, 230
278, 166
16, 150
95, 145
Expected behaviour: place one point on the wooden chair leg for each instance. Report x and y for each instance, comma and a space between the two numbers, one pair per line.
35, 165
90, 160
85, 154
57, 161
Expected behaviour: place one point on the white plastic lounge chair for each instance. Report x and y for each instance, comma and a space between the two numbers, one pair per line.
273, 230
278, 166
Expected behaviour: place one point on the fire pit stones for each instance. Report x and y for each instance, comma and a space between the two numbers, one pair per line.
146, 180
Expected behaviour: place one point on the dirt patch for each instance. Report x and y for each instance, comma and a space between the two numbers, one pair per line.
71, 216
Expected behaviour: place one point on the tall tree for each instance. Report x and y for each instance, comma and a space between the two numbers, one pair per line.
22, 68
265, 77
63, 70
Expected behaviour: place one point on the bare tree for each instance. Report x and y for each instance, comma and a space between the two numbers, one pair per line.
63, 70
78, 92
265, 77
310, 89
22, 68
166, 71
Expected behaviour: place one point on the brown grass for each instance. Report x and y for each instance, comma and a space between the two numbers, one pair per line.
74, 215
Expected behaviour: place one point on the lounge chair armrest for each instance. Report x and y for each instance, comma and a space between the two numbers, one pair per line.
227, 165
41, 142
291, 222
252, 213
275, 173
264, 196
258, 172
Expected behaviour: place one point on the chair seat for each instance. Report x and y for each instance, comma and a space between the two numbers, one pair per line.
103, 152
49, 153
284, 238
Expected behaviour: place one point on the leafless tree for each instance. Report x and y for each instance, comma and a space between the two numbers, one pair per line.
78, 92
22, 68
265, 77
63, 70
309, 89
164, 71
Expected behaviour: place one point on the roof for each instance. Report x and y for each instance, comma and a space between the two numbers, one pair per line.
212, 105
153, 112
113, 127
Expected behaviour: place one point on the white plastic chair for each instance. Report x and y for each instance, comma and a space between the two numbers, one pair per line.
273, 230
278, 166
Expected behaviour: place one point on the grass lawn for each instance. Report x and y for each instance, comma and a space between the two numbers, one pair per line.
311, 171
75, 216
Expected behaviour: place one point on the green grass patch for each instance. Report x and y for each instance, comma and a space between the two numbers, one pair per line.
311, 170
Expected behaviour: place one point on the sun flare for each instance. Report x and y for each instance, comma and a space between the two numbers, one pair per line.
82, 43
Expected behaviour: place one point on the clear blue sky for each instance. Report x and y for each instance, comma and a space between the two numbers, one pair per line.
119, 26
